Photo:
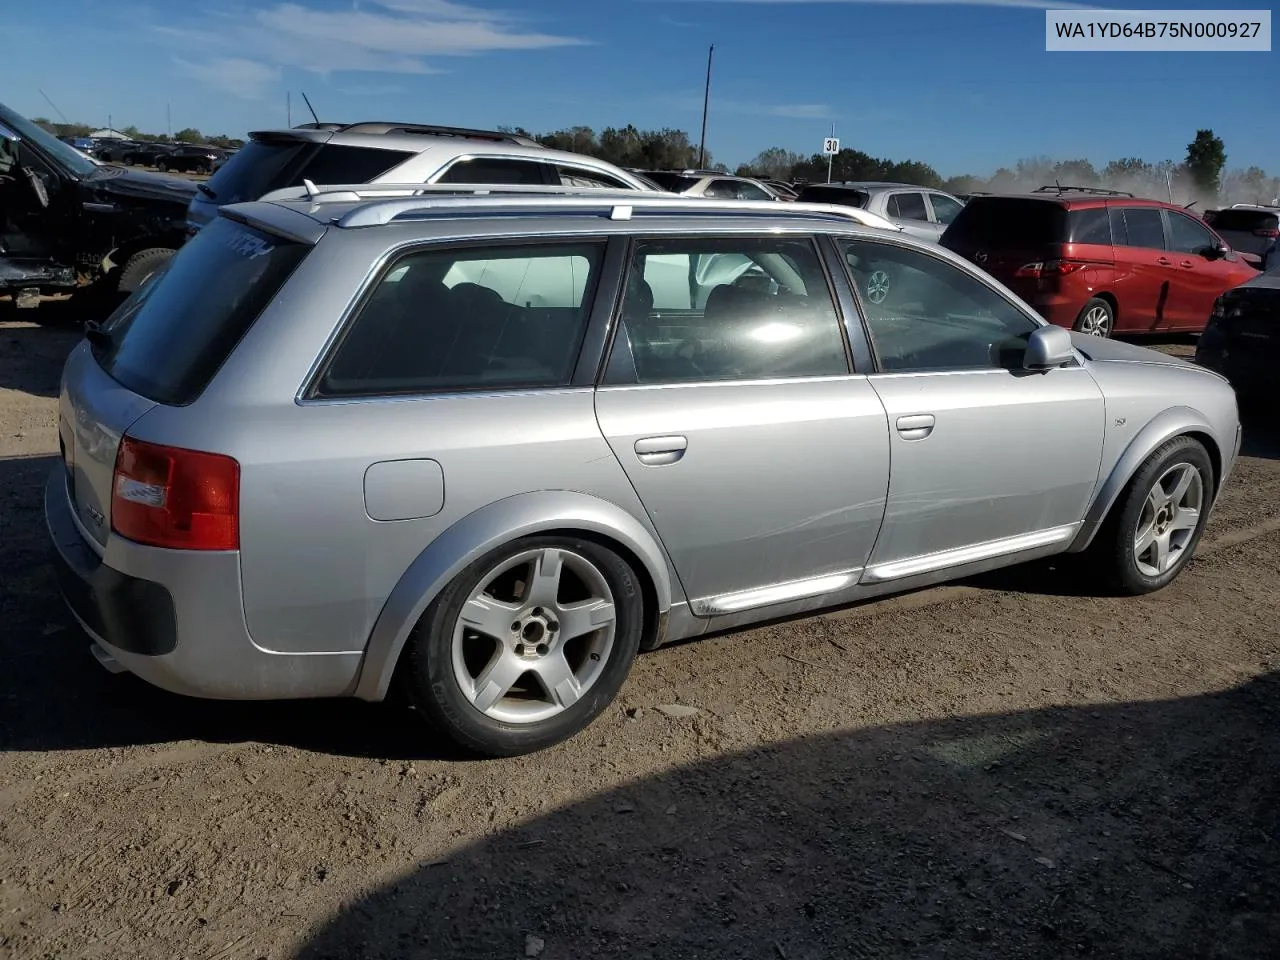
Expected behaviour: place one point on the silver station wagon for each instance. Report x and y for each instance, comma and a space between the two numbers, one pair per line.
486, 448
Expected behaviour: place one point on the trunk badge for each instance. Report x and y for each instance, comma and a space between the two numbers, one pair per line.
96, 516
980, 257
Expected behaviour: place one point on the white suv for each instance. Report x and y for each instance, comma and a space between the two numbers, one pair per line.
370, 152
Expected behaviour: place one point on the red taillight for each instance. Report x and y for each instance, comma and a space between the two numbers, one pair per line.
176, 498
1264, 232
1048, 268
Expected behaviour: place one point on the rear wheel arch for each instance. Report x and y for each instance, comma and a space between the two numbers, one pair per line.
562, 513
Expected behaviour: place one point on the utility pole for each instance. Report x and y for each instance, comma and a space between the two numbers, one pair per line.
288, 108
706, 100
168, 120
831, 156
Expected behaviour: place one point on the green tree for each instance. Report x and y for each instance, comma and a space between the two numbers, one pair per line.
189, 135
132, 132
1206, 157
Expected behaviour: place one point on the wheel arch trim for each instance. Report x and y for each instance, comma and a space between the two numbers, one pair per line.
486, 529
1170, 423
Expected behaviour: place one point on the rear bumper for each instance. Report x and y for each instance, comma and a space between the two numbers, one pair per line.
175, 617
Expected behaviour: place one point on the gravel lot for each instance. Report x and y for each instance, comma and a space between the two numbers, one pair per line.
1003, 768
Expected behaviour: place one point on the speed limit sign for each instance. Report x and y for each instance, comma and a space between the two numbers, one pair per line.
830, 146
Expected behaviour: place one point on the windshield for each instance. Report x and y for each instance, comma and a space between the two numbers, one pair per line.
71, 159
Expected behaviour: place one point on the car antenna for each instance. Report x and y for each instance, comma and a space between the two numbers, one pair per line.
309, 106
1058, 183
312, 190
1190, 205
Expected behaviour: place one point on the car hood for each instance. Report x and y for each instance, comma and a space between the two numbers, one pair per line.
136, 185
1100, 348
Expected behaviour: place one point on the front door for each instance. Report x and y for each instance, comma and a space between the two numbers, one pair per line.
1196, 280
985, 458
761, 460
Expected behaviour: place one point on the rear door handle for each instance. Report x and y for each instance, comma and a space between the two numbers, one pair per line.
659, 451
916, 427
1186, 265
1163, 261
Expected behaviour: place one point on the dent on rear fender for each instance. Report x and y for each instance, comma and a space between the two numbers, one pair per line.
485, 530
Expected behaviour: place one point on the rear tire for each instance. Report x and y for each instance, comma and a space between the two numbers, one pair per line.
1097, 318
140, 266
1154, 528
526, 646
162, 166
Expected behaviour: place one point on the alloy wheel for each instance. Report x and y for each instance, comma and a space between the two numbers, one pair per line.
1168, 520
878, 284
1096, 321
534, 635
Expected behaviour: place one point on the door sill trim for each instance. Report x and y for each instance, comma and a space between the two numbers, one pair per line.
774, 593
929, 562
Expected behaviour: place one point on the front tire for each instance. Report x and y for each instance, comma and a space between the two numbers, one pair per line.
1154, 528
527, 645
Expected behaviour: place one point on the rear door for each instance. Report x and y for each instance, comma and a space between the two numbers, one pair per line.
910, 209
760, 458
1143, 269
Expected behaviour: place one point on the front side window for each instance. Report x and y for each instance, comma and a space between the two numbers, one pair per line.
725, 189
579, 177
926, 314
1187, 236
944, 208
749, 191
494, 170
740, 309
469, 319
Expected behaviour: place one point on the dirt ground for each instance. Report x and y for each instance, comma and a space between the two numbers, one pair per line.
1002, 768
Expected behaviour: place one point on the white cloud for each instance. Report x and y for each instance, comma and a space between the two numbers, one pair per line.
240, 78
377, 36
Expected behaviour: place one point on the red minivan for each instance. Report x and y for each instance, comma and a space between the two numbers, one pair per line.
1100, 263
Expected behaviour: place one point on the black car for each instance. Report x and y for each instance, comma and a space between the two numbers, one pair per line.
70, 224
146, 153
1242, 338
189, 158
1250, 229
113, 151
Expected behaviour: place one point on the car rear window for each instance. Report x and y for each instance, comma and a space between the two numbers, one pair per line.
1003, 222
261, 166
1242, 219
168, 340
838, 195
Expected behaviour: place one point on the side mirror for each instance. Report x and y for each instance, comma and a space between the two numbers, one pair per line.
1047, 347
1215, 251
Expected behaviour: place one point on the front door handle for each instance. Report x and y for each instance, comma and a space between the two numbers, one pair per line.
916, 427
659, 451
1187, 265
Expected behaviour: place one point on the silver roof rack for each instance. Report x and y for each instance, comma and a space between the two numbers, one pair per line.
383, 203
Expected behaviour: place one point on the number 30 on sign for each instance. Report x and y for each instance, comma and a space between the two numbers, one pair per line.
831, 145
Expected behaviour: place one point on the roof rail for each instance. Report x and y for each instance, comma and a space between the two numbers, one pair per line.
387, 202
466, 133
1063, 188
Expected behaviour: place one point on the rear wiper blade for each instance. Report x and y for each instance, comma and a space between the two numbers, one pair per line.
207, 191
96, 335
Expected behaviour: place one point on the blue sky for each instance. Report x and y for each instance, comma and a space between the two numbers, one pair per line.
963, 86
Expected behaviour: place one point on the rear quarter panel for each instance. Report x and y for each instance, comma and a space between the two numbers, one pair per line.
316, 569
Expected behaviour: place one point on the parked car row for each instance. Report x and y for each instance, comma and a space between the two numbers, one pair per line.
181, 157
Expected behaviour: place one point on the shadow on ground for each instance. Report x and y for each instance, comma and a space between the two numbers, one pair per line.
32, 356
1132, 830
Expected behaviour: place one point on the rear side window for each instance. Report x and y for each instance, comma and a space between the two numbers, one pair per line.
841, 196
487, 170
168, 340
479, 318
1145, 227
1000, 223
675, 182
908, 206
579, 177
1090, 225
